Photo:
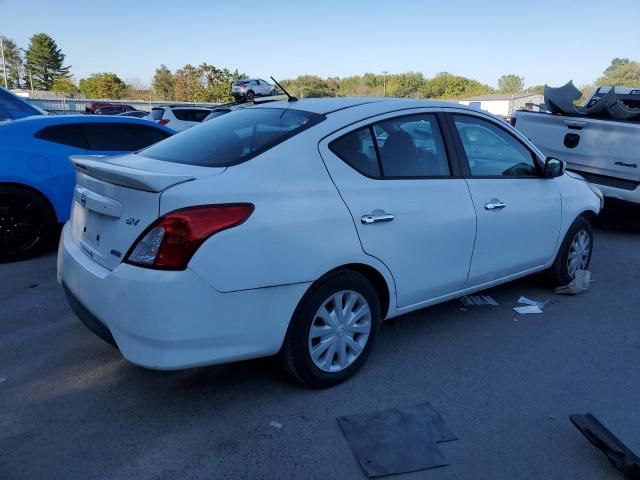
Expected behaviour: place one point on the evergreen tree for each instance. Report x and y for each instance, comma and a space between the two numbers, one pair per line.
45, 62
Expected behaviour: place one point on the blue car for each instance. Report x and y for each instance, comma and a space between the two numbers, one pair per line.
37, 179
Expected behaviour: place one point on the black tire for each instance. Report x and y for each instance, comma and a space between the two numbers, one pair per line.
27, 223
559, 275
273, 92
295, 354
250, 95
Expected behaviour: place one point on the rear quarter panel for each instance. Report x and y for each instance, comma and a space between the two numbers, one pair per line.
40, 165
300, 229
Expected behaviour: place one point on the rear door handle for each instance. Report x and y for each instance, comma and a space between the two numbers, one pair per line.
494, 204
576, 123
369, 219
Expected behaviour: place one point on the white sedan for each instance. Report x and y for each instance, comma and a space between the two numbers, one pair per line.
296, 228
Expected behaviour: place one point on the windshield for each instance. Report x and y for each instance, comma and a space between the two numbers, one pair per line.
233, 138
13, 107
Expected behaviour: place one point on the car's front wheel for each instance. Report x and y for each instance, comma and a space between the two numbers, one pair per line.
574, 253
26, 223
250, 95
332, 331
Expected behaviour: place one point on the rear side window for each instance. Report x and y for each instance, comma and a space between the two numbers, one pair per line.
358, 150
125, 137
233, 138
190, 114
15, 108
402, 147
70, 135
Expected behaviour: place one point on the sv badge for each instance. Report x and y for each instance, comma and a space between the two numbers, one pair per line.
132, 221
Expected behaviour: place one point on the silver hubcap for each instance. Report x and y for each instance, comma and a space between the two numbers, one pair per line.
578, 253
339, 331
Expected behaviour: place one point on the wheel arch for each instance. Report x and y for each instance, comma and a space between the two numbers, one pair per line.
376, 278
43, 196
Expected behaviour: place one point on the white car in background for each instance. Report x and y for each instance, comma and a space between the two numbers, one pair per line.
178, 118
297, 227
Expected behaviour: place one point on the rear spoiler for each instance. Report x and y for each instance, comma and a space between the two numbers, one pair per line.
95, 166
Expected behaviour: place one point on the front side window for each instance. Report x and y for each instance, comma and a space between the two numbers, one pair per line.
70, 135
491, 151
123, 137
233, 138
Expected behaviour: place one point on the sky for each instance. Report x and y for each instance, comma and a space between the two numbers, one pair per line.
543, 41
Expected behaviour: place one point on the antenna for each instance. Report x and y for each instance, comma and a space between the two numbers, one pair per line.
291, 98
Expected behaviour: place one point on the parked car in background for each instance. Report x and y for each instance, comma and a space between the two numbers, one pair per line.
37, 178
252, 87
605, 152
13, 107
297, 227
113, 109
223, 109
106, 108
134, 113
178, 118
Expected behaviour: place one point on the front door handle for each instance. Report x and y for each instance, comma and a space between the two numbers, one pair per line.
378, 218
494, 204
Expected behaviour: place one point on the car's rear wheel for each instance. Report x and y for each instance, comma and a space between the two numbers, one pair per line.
26, 223
574, 253
332, 331
273, 92
250, 95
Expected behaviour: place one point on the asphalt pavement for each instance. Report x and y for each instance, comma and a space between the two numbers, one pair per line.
72, 408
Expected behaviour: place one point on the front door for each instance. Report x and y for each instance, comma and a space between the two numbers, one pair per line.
518, 211
410, 211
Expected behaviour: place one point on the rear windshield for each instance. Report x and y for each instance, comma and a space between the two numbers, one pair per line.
233, 138
190, 114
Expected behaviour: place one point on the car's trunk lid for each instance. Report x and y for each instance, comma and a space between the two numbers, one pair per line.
115, 199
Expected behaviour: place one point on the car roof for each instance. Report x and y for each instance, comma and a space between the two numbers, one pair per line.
191, 107
325, 106
40, 121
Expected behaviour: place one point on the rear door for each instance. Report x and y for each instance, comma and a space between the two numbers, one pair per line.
410, 207
518, 211
119, 138
602, 147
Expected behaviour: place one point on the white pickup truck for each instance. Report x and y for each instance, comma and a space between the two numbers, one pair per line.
605, 152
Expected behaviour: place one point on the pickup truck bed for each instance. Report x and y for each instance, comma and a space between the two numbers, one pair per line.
605, 152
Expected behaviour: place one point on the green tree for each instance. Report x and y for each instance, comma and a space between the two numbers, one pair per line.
64, 85
309, 86
13, 60
102, 85
621, 73
188, 86
163, 83
45, 61
510, 83
536, 89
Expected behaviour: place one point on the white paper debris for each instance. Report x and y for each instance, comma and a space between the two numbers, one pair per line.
579, 284
478, 300
528, 309
528, 301
275, 424
3, 379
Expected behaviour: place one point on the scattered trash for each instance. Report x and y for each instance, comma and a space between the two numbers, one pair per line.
275, 424
552, 417
397, 440
462, 309
34, 285
3, 379
515, 320
478, 300
579, 284
528, 301
601, 437
528, 309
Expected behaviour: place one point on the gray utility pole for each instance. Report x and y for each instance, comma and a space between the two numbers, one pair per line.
384, 72
4, 63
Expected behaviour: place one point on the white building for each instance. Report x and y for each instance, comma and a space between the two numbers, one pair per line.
504, 104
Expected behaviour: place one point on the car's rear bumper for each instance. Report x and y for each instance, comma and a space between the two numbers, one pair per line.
170, 320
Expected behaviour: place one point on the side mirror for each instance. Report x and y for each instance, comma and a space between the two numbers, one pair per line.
554, 167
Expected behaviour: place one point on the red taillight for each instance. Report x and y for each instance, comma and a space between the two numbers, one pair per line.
163, 121
170, 242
